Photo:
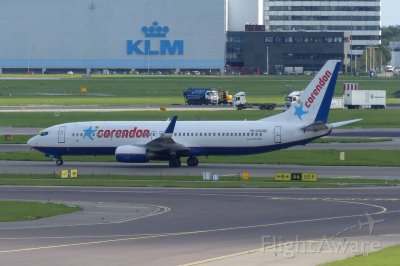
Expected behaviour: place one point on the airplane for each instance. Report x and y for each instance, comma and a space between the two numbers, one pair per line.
140, 142
370, 222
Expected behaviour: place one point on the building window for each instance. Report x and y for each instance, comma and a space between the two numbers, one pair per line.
299, 39
289, 39
269, 39
308, 39
338, 39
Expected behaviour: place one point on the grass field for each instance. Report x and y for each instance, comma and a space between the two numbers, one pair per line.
282, 157
185, 181
386, 257
371, 118
116, 90
16, 139
23, 211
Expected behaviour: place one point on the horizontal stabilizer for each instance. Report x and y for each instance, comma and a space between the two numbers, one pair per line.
343, 123
316, 126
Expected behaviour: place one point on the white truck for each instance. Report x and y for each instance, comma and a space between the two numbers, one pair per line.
292, 98
374, 99
240, 103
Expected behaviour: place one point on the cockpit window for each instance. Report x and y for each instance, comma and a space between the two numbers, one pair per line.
44, 133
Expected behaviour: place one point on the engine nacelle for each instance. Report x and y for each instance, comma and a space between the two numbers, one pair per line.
131, 154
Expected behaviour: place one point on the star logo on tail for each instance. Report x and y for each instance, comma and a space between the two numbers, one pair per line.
299, 111
88, 133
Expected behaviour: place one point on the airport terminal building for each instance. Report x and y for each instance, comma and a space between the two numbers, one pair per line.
90, 36
120, 34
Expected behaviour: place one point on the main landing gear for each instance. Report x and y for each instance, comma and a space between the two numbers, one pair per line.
59, 162
176, 162
192, 161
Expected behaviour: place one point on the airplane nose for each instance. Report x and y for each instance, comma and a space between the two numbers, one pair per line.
31, 141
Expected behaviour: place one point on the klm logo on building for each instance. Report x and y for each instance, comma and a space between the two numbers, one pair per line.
155, 42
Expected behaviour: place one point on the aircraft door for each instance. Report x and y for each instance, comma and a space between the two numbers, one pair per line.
277, 134
154, 135
61, 134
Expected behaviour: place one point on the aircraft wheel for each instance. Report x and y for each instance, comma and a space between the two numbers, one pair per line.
59, 162
175, 162
192, 161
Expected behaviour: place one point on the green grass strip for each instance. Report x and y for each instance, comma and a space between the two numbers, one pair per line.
382, 118
385, 257
11, 211
16, 139
185, 181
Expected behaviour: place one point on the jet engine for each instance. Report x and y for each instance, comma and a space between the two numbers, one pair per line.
131, 154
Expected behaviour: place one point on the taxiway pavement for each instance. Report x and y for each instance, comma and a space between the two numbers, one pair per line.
200, 223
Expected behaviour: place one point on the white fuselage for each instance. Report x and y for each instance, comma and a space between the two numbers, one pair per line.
202, 137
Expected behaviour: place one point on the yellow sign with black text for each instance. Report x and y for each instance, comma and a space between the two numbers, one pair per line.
305, 177
283, 176
309, 177
69, 173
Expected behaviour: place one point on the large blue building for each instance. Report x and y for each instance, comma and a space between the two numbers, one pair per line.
120, 34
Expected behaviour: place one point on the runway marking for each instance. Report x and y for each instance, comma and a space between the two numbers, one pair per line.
229, 195
383, 209
159, 211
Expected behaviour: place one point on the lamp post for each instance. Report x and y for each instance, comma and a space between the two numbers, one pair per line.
267, 60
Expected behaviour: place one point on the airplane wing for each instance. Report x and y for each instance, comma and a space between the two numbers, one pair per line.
339, 124
166, 142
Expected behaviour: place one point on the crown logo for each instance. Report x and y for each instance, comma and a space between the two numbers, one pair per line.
155, 30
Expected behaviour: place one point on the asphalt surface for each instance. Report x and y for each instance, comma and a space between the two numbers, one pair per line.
200, 223
162, 169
